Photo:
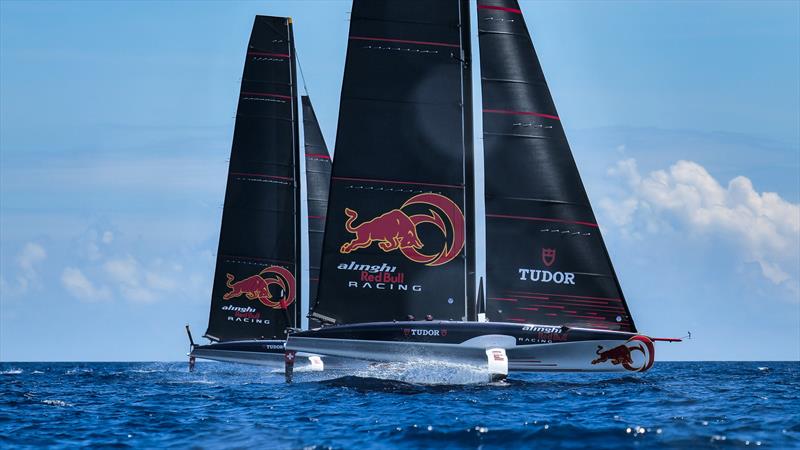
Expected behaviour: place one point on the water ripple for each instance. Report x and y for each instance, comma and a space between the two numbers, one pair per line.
415, 405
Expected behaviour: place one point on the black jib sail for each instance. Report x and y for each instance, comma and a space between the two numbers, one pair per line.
318, 177
546, 260
256, 290
396, 235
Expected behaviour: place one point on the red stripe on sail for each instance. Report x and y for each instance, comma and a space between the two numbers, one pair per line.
279, 55
565, 295
588, 303
267, 94
529, 309
261, 175
537, 298
587, 317
253, 258
369, 180
500, 8
317, 155
403, 41
598, 325
542, 219
521, 113
603, 309
500, 299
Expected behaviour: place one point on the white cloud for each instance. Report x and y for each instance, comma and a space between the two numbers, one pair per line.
765, 227
94, 244
124, 271
30, 255
81, 288
27, 276
140, 284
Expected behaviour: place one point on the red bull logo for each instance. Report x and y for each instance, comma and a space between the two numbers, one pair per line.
623, 354
397, 230
258, 287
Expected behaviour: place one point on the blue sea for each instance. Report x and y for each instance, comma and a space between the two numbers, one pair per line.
148, 405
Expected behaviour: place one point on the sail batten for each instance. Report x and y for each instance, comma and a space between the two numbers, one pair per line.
255, 294
546, 259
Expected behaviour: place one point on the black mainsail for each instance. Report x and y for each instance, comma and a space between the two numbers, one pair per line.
397, 240
318, 179
546, 260
256, 283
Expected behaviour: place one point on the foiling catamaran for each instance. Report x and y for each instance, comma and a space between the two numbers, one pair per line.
398, 263
256, 292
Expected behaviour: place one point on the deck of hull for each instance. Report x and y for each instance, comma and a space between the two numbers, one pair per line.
530, 348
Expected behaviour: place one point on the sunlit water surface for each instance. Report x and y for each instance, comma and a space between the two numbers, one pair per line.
675, 405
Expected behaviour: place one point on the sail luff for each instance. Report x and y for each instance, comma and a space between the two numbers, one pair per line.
546, 259
295, 315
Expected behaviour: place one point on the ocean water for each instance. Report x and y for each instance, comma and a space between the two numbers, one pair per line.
674, 405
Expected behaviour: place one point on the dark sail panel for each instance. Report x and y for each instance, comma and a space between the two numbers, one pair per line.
546, 260
256, 291
395, 239
318, 178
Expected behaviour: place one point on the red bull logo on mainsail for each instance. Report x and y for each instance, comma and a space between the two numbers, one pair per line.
397, 230
258, 287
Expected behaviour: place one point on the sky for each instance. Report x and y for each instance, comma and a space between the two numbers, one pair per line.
116, 122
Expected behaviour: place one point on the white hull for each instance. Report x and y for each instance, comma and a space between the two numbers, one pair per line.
566, 357
581, 350
273, 360
303, 361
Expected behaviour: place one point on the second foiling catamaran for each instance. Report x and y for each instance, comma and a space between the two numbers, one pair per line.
398, 268
256, 294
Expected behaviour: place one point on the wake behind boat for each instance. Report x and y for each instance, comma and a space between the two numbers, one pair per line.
400, 238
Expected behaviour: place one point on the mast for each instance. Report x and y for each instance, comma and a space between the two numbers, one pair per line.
396, 230
469, 161
256, 290
546, 259
318, 176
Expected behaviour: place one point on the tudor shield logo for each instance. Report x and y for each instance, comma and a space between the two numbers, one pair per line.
398, 230
258, 287
548, 256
